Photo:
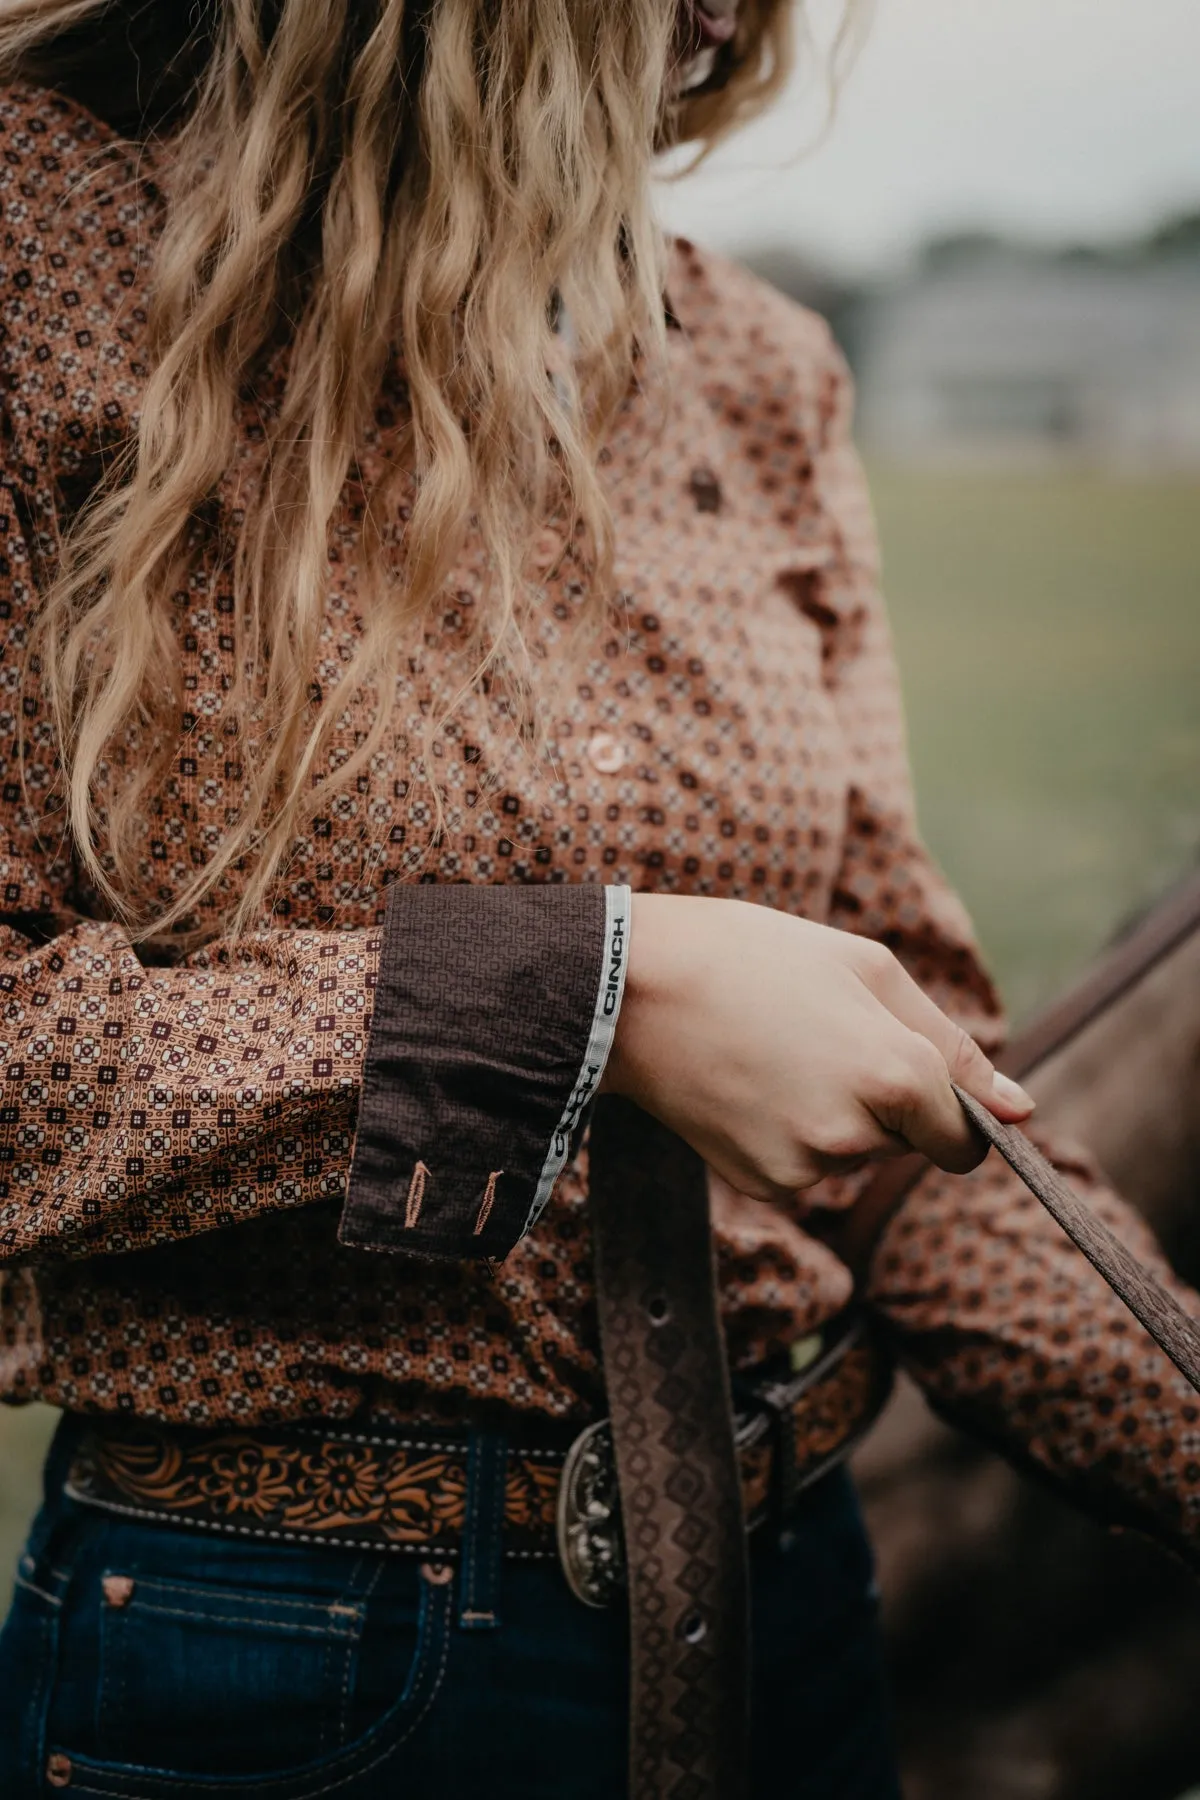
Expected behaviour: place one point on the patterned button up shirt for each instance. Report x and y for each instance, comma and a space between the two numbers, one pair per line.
200, 1158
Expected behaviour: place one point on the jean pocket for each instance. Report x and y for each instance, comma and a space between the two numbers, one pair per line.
217, 1678
208, 1690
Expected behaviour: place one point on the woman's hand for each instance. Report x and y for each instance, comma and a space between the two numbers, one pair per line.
784, 1051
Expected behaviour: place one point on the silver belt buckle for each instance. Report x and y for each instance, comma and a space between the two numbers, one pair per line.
591, 1547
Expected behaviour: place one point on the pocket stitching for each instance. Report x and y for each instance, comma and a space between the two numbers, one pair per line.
29, 1747
32, 1587
259, 1624
268, 1600
293, 1786
360, 1604
434, 1690
339, 1632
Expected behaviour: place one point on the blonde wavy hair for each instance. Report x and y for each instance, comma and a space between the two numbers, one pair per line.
349, 177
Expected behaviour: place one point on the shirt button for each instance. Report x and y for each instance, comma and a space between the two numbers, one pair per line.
607, 753
548, 547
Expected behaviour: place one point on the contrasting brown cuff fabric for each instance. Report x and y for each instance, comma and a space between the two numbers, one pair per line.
494, 1014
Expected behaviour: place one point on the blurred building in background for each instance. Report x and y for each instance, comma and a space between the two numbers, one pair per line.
990, 350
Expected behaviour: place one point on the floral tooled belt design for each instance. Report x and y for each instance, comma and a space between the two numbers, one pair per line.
410, 1493
362, 1490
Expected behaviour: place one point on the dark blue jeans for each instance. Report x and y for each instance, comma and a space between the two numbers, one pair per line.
141, 1663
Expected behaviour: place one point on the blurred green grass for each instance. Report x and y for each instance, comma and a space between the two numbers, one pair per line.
24, 1434
1048, 628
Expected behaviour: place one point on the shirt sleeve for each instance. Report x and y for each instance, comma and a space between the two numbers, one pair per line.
1015, 1337
493, 1020
430, 1079
427, 1077
1008, 1329
888, 886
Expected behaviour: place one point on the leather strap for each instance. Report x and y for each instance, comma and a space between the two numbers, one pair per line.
668, 1385
1166, 926
672, 1425
1145, 1296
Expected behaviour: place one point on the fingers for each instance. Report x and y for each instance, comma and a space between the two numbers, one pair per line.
964, 1061
910, 1095
795, 1153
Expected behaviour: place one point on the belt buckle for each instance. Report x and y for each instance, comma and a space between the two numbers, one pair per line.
591, 1546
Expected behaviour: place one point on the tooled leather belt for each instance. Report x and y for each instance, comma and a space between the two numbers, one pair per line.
411, 1491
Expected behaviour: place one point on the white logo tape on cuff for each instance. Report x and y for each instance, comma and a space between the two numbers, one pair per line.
617, 905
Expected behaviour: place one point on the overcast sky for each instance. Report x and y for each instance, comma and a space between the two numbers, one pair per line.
1052, 117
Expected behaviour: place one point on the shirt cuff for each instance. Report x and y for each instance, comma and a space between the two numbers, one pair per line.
494, 1016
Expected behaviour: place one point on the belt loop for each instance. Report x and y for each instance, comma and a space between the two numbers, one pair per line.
483, 1531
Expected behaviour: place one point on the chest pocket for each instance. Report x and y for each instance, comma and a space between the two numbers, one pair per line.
216, 1680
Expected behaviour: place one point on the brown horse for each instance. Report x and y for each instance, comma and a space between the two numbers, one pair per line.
1034, 1656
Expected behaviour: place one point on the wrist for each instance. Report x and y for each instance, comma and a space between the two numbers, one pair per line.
657, 926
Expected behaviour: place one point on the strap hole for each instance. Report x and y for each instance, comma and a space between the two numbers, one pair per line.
693, 1628
658, 1310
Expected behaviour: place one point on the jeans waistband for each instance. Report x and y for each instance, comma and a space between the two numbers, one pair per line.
434, 1494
